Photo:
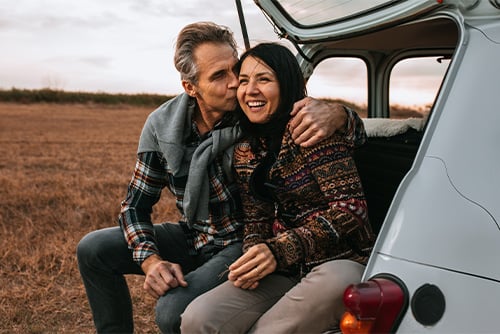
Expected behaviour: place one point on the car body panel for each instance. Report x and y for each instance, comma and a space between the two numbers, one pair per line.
467, 127
471, 302
443, 225
451, 184
430, 209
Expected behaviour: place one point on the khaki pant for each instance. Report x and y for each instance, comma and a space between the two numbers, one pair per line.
278, 305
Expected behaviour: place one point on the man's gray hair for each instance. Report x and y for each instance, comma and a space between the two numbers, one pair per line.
193, 35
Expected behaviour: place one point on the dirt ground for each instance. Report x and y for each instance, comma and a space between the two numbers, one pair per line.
63, 172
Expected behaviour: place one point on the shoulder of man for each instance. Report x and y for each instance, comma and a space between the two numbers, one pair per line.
168, 123
168, 107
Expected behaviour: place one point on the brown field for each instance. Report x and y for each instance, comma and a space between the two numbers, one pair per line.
64, 170
63, 173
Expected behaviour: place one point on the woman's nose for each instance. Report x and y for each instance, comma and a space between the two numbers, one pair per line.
252, 87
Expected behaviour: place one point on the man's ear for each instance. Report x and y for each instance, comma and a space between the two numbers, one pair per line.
189, 88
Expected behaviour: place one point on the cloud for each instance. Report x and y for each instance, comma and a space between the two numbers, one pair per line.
125, 45
101, 62
5, 24
55, 15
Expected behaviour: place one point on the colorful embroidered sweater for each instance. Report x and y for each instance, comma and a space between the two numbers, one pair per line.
318, 202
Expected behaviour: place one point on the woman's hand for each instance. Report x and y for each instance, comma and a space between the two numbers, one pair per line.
252, 266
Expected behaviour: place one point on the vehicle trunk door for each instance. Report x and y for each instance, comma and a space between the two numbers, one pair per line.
309, 21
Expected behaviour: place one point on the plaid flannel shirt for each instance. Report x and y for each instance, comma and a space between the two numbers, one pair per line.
224, 226
150, 177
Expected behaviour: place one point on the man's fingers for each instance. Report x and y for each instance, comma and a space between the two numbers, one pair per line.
150, 291
170, 280
310, 137
314, 120
295, 121
163, 277
178, 276
172, 275
297, 106
155, 287
299, 122
300, 130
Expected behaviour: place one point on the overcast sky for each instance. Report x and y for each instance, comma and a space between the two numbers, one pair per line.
122, 46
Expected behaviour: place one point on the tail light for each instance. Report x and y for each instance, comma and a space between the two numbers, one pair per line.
374, 306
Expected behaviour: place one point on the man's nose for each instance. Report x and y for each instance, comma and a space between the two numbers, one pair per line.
233, 80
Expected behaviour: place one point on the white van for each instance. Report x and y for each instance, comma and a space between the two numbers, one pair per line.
432, 180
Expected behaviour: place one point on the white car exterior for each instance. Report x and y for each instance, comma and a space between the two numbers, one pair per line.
443, 224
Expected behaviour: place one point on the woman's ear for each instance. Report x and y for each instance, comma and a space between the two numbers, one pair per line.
189, 88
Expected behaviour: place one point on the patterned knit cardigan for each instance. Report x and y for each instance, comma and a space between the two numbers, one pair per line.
320, 208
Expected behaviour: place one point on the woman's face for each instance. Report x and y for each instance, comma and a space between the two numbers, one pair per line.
259, 90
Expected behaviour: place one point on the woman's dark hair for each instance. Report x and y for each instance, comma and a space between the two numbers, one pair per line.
292, 89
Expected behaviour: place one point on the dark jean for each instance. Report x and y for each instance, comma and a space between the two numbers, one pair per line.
104, 259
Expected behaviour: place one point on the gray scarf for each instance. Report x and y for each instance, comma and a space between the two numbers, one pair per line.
167, 130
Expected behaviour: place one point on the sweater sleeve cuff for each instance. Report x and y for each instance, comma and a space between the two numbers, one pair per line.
286, 249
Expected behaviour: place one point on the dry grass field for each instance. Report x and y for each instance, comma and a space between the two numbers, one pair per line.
63, 171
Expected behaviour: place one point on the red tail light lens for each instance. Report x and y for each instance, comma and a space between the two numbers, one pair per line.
375, 306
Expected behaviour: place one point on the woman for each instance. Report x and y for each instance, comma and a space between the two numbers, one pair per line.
307, 234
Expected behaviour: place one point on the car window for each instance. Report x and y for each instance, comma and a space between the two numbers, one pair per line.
341, 78
314, 12
414, 84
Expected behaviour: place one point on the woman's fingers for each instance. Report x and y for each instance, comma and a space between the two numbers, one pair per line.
252, 266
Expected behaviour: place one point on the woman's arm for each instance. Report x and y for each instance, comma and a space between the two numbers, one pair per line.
343, 212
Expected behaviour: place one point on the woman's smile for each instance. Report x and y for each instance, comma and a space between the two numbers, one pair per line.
256, 106
259, 91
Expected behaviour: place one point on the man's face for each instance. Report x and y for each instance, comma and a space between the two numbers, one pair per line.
217, 83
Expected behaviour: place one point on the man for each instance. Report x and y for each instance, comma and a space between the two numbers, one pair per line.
186, 146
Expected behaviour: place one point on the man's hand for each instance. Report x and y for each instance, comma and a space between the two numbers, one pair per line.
314, 120
161, 276
252, 266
